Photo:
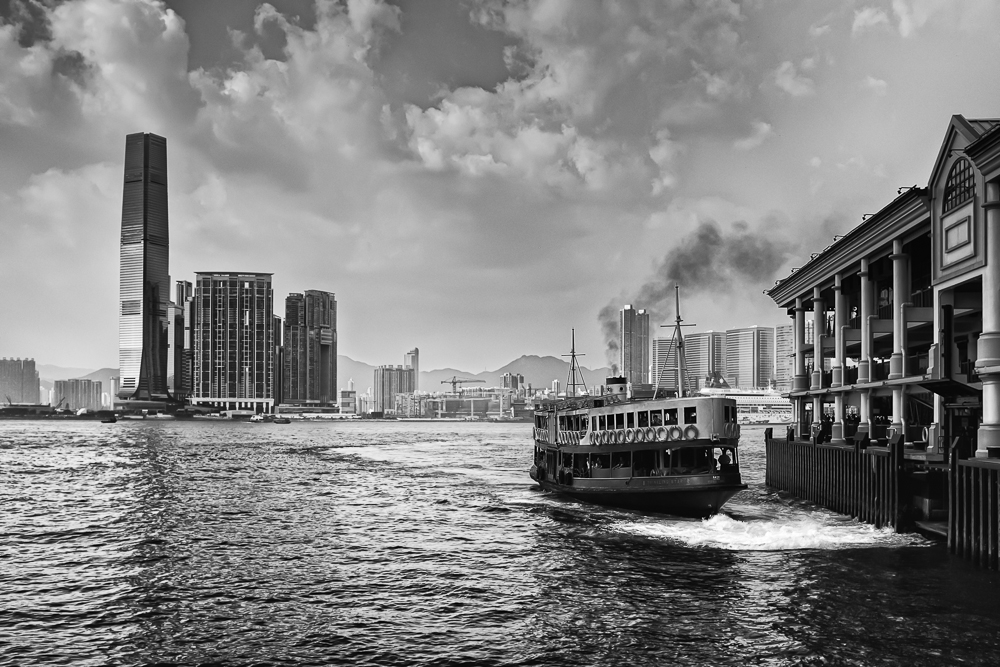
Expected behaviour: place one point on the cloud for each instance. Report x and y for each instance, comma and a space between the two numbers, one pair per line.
868, 18
877, 86
761, 131
787, 78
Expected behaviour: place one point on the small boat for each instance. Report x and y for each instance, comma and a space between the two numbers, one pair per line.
110, 420
675, 454
282, 420
257, 419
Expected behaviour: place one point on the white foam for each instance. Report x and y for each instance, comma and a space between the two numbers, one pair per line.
723, 532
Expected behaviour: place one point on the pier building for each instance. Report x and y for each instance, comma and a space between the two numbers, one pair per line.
904, 427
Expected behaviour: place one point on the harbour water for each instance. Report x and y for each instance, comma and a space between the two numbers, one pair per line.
192, 543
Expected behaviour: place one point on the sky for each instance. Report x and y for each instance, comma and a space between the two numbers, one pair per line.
471, 177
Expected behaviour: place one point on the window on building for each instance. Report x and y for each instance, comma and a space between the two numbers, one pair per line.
961, 185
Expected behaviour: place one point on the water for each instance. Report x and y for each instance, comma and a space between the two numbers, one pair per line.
189, 543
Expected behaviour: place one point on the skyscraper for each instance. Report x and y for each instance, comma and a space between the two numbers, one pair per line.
634, 344
178, 340
310, 349
412, 360
390, 381
77, 394
144, 286
233, 347
750, 357
705, 354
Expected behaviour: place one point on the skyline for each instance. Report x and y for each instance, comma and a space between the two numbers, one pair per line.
340, 151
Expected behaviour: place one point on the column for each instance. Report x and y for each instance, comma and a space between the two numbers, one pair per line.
900, 296
839, 322
799, 380
864, 365
819, 326
988, 361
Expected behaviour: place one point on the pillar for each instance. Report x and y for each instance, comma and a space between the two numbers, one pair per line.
819, 326
900, 295
839, 322
799, 380
864, 365
989, 340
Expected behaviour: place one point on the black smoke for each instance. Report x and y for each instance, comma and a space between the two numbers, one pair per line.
709, 260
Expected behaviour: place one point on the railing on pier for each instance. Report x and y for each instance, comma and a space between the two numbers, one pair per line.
974, 510
864, 483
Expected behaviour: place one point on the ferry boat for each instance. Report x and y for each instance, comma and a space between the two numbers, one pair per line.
674, 454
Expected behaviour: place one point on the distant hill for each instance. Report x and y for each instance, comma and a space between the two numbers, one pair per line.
50, 373
537, 371
348, 369
103, 376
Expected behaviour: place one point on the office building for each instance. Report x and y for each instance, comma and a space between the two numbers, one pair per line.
178, 360
390, 381
144, 287
233, 346
512, 381
634, 344
412, 360
279, 360
348, 401
18, 381
750, 357
309, 376
77, 395
704, 354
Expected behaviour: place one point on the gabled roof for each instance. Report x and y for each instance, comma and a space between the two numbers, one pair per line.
971, 130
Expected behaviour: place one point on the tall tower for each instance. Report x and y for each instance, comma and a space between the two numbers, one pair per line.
412, 360
634, 344
144, 286
310, 356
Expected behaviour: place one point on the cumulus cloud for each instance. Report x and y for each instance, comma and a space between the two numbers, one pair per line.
867, 18
877, 86
787, 78
761, 131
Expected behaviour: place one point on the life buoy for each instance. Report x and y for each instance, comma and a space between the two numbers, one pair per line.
661, 433
691, 432
629, 435
650, 434
675, 432
640, 435
619, 437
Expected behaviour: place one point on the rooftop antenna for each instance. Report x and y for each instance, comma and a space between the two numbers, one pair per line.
574, 367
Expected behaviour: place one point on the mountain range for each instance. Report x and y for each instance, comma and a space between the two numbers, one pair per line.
537, 371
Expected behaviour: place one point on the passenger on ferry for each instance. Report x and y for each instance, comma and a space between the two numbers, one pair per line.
724, 460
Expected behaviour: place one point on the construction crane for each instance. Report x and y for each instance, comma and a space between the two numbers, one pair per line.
454, 381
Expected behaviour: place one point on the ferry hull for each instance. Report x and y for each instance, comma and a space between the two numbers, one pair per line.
684, 496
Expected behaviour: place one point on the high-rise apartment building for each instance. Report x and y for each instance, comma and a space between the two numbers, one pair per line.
309, 375
412, 360
233, 341
18, 381
178, 358
750, 357
784, 356
279, 360
144, 287
634, 344
704, 354
77, 395
390, 381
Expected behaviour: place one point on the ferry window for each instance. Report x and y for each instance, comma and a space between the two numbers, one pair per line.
631, 420
620, 420
621, 460
644, 462
603, 422
593, 423
656, 418
670, 417
600, 460
643, 419
562, 422
691, 415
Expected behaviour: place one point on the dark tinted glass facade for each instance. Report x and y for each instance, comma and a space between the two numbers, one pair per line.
144, 289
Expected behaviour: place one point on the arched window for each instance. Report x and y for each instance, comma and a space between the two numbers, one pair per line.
961, 185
